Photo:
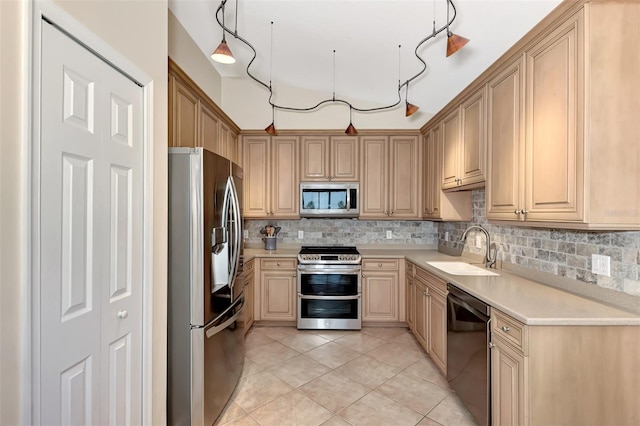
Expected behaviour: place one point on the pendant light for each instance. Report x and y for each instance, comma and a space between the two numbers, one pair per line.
223, 54
351, 130
271, 128
454, 41
410, 109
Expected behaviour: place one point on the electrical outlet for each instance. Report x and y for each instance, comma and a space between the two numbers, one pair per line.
478, 241
601, 265
389, 235
245, 233
300, 235
446, 235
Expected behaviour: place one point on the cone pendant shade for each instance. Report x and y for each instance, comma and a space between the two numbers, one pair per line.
351, 130
455, 43
271, 129
410, 109
223, 54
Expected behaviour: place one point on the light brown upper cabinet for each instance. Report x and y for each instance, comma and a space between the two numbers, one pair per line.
464, 143
439, 205
329, 158
390, 183
562, 122
195, 120
271, 176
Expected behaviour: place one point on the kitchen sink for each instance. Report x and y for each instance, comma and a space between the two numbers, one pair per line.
461, 268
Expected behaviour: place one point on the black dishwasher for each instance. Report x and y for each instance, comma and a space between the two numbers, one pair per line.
468, 356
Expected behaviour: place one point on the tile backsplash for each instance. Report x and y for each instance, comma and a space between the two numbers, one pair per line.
558, 251
347, 232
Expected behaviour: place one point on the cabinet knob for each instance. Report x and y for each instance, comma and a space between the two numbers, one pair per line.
426, 294
278, 263
123, 314
295, 275
505, 329
391, 212
492, 345
524, 211
517, 212
379, 265
364, 276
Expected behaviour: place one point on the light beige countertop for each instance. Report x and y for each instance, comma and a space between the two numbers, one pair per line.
528, 301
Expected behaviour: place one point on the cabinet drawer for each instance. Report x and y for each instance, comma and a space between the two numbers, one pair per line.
280, 263
380, 264
432, 280
249, 265
510, 330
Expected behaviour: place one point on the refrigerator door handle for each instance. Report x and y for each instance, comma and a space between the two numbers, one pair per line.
218, 328
237, 231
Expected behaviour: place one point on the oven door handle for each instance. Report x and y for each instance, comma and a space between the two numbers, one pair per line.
302, 296
328, 269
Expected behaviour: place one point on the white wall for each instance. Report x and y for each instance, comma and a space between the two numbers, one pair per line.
137, 29
186, 53
13, 19
247, 104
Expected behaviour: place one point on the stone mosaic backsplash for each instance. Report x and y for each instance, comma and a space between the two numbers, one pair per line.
347, 232
558, 251
561, 252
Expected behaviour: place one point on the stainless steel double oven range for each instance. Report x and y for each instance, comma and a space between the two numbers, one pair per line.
329, 289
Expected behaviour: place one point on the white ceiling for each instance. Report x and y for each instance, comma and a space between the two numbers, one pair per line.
365, 35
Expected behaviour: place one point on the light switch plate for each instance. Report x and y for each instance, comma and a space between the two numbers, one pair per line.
300, 235
601, 265
245, 233
478, 241
446, 235
389, 235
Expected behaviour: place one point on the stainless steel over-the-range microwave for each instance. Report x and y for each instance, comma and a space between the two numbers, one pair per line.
335, 199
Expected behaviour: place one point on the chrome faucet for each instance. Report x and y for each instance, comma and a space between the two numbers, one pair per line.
489, 261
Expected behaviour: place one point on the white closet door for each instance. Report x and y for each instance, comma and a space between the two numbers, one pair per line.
91, 238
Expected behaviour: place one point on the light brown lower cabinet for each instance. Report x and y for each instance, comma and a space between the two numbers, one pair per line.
563, 375
277, 290
248, 286
381, 291
430, 315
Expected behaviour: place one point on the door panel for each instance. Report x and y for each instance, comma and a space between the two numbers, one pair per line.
91, 238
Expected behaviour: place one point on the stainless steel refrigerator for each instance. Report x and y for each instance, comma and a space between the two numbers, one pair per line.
205, 339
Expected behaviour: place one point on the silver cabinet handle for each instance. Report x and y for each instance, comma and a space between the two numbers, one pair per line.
425, 293
123, 314
505, 329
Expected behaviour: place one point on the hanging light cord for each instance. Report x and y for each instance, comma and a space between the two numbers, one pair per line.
334, 99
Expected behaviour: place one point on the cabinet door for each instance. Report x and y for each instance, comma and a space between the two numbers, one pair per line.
208, 136
554, 113
421, 299
432, 176
344, 161
284, 177
232, 152
473, 141
248, 302
411, 308
505, 143
278, 295
225, 136
438, 330
374, 180
315, 158
450, 146
404, 184
257, 173
184, 115
380, 296
507, 385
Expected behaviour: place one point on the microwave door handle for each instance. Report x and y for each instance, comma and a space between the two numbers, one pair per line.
348, 199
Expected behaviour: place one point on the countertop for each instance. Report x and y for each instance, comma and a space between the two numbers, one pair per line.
528, 301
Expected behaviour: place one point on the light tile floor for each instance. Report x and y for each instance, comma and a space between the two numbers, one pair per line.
376, 376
